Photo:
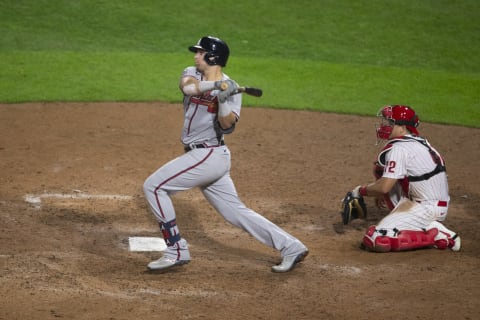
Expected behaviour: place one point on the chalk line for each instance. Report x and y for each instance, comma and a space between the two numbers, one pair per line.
36, 199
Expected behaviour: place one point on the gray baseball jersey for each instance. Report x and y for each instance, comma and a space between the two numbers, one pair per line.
201, 113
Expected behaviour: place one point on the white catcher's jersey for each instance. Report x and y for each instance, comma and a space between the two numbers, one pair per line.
410, 156
201, 113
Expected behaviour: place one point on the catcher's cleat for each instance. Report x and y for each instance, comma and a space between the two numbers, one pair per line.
450, 239
165, 263
289, 262
454, 243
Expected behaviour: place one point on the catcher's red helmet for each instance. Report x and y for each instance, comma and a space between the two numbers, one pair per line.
217, 50
397, 115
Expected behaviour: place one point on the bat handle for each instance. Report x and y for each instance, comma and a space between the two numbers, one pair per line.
224, 86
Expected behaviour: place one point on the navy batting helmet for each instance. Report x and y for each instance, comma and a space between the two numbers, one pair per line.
217, 50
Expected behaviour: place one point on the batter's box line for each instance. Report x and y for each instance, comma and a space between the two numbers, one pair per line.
36, 199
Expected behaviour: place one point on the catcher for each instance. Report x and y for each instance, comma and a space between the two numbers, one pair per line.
411, 181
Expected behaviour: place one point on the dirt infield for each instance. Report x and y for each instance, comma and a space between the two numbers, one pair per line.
67, 257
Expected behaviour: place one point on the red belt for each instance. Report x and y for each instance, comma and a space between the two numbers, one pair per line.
442, 203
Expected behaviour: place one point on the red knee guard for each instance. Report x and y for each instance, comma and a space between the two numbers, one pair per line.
383, 244
379, 244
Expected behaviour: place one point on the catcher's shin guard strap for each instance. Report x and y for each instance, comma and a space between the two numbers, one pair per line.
170, 231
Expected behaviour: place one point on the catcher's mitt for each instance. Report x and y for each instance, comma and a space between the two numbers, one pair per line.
353, 208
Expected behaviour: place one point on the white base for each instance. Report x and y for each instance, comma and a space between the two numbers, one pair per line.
146, 244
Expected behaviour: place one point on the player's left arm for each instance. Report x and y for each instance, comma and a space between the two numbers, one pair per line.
229, 105
226, 115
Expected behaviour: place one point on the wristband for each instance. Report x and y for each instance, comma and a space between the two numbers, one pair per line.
363, 191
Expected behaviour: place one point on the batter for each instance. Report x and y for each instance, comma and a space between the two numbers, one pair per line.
413, 181
209, 114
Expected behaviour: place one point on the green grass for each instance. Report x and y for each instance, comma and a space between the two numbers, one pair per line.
333, 56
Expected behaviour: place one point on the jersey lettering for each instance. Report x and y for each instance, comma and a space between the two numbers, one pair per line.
211, 102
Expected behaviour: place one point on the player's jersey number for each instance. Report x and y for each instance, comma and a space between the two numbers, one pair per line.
390, 167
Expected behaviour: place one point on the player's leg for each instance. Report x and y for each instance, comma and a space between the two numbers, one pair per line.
190, 170
223, 196
409, 226
185, 172
380, 240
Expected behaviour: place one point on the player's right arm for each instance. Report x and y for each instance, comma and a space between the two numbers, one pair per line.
191, 86
394, 169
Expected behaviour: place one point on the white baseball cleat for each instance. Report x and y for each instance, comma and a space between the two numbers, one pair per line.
289, 262
457, 243
165, 263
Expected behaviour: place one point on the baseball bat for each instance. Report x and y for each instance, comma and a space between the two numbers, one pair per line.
256, 92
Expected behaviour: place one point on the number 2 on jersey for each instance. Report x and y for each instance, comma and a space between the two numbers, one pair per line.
390, 166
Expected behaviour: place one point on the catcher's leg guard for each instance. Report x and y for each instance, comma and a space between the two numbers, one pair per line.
404, 240
411, 240
372, 241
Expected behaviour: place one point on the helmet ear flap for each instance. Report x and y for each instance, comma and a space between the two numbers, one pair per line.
416, 121
211, 59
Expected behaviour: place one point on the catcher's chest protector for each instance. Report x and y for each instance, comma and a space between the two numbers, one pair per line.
438, 160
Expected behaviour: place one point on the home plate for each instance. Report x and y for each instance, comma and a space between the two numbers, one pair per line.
146, 244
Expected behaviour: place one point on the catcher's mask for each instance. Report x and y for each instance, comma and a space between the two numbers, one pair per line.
396, 115
217, 50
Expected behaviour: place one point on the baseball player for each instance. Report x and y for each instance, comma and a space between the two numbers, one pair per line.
413, 184
211, 110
